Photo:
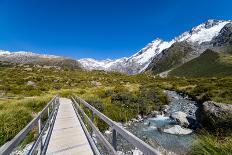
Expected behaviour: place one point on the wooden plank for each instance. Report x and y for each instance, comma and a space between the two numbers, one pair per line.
68, 136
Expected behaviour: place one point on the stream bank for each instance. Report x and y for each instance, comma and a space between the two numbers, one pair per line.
164, 131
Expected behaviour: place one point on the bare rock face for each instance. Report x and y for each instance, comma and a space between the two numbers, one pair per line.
224, 37
181, 118
216, 115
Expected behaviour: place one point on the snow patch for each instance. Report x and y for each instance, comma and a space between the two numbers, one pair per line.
203, 32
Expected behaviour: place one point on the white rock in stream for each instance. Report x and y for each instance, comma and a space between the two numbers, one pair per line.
181, 118
178, 130
108, 132
137, 152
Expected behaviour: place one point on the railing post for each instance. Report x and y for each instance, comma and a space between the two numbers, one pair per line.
92, 119
114, 139
41, 142
56, 102
48, 111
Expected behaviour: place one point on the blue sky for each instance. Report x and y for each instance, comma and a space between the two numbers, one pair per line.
100, 28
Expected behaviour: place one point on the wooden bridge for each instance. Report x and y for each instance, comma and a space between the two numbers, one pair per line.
64, 128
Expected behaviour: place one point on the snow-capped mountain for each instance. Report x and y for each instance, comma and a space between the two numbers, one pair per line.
21, 54
191, 45
132, 65
23, 57
197, 40
138, 62
204, 32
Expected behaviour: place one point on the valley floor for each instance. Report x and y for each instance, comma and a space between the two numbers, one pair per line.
121, 97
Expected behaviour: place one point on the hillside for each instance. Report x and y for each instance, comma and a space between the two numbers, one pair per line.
42, 60
208, 64
185, 50
172, 57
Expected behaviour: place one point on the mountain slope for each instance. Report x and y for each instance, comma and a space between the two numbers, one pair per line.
176, 55
192, 44
38, 59
208, 64
133, 64
198, 38
223, 42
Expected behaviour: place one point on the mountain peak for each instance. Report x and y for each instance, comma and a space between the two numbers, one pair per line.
157, 40
204, 32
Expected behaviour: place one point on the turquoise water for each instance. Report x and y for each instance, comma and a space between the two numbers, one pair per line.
148, 130
179, 144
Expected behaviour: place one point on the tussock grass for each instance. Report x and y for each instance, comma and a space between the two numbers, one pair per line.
16, 114
209, 144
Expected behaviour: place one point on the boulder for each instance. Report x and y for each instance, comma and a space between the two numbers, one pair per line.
31, 83
216, 115
165, 107
28, 69
134, 120
155, 113
96, 83
181, 118
139, 117
178, 130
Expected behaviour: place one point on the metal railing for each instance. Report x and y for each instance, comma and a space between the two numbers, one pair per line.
40, 144
117, 129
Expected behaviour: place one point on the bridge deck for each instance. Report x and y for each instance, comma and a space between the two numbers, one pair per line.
68, 136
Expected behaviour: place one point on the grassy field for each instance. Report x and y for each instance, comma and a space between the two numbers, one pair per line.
216, 89
120, 97
17, 113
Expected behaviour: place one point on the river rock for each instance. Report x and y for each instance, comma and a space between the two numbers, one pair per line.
137, 152
134, 120
181, 118
155, 113
108, 132
165, 108
216, 115
177, 129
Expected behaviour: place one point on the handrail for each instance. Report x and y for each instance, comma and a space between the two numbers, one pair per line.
141, 145
91, 141
98, 133
7, 148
